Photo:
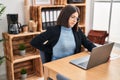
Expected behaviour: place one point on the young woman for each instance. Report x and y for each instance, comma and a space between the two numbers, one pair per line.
65, 38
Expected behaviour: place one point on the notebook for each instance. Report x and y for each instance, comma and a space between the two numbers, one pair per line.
98, 55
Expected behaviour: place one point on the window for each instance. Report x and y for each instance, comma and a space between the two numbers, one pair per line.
106, 17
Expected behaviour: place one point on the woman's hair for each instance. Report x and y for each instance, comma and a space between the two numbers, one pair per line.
65, 14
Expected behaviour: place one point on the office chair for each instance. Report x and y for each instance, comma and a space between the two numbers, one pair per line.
61, 77
97, 36
42, 54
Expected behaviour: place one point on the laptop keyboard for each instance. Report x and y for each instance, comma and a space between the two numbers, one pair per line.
83, 63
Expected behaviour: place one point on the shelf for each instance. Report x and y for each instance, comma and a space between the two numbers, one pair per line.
22, 34
44, 8
77, 4
82, 25
33, 77
48, 6
33, 68
18, 58
31, 61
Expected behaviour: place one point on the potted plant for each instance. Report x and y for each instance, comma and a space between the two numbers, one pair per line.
22, 49
23, 74
1, 57
2, 9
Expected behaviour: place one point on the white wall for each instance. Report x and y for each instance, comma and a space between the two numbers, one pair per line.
12, 6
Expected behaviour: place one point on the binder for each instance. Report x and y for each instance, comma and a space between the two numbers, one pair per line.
49, 17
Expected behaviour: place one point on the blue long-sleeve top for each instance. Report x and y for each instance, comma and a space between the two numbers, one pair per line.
65, 45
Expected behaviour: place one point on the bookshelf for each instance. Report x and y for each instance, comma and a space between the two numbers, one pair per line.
15, 62
56, 5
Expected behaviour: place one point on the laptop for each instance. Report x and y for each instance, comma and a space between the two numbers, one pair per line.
98, 55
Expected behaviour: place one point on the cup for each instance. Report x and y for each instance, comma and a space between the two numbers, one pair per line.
25, 29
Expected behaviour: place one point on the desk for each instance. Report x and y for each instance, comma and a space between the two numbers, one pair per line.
106, 71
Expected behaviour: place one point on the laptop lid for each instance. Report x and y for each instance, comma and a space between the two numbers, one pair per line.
98, 56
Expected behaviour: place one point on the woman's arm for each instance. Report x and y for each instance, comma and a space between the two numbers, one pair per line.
86, 42
41, 40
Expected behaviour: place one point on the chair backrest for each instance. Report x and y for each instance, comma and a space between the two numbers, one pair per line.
42, 55
61, 77
97, 36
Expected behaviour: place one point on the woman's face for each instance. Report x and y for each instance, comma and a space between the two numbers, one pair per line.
73, 19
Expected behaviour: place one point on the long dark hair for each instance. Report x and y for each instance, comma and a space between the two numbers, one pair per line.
65, 14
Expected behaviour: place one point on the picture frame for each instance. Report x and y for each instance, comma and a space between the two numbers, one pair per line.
38, 2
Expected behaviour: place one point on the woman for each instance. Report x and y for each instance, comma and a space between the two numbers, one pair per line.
65, 38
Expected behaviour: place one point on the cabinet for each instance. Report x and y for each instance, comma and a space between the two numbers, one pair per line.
38, 10
30, 61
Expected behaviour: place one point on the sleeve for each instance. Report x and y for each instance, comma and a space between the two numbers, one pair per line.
41, 40
86, 42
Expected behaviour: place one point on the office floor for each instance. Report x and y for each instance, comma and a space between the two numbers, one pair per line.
116, 49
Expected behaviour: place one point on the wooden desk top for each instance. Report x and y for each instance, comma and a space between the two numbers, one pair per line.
106, 71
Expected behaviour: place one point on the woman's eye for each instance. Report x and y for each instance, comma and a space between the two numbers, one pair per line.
72, 17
